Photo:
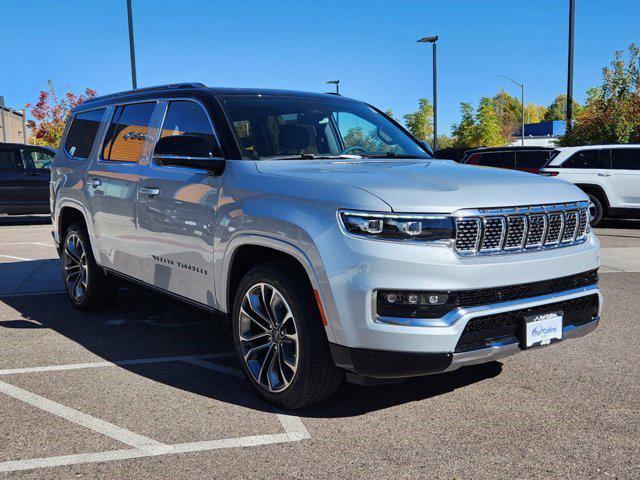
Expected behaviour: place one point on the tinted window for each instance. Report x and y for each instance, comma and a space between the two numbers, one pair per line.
626, 158
582, 159
39, 159
497, 159
186, 118
532, 159
82, 133
127, 132
7, 160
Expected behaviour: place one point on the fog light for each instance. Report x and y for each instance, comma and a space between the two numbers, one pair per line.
392, 298
413, 298
438, 299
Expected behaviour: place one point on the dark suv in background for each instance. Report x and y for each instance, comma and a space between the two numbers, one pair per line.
526, 159
24, 178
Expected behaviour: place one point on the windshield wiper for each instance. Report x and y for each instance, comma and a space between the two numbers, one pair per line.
393, 155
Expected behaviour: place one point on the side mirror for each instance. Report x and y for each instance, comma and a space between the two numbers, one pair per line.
188, 151
427, 147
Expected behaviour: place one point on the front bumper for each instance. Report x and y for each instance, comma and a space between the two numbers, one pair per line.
382, 364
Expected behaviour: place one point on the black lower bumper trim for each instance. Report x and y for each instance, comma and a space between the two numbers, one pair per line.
387, 364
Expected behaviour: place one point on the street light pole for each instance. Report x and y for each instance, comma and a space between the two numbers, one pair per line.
132, 50
337, 84
433, 40
521, 85
572, 14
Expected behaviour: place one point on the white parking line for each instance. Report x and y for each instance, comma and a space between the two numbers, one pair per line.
31, 294
134, 361
11, 257
144, 446
79, 418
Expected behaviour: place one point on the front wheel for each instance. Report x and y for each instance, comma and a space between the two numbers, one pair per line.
280, 338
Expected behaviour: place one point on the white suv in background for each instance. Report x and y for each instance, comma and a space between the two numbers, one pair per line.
609, 174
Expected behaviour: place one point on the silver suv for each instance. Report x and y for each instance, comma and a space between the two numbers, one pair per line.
326, 234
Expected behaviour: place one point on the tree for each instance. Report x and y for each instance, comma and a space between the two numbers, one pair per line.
487, 131
50, 115
557, 110
509, 112
612, 111
463, 132
420, 122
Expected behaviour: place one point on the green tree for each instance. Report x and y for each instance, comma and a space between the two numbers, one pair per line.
509, 112
464, 131
557, 110
420, 122
612, 111
487, 131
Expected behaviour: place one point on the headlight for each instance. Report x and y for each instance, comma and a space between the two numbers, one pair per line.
397, 226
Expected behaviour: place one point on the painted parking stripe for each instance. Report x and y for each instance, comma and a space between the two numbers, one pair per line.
117, 363
79, 418
22, 259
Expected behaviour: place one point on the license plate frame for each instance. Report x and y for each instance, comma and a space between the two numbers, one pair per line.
543, 329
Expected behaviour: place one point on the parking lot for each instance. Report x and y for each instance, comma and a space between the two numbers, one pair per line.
147, 389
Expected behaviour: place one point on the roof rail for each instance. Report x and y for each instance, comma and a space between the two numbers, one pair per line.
169, 86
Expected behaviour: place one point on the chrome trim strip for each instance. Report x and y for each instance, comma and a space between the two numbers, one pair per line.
500, 350
454, 316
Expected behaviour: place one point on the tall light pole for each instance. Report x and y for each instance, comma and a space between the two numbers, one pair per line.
572, 14
132, 50
521, 85
432, 41
337, 84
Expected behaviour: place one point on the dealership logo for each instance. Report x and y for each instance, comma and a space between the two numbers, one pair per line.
540, 330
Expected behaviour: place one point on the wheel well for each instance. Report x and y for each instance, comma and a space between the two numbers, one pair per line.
247, 257
68, 216
596, 191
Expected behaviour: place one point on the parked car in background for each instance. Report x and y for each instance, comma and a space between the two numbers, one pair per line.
609, 174
24, 178
451, 153
525, 159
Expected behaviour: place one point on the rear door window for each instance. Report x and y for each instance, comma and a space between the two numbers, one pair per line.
625, 158
127, 132
8, 159
583, 159
532, 159
82, 133
497, 159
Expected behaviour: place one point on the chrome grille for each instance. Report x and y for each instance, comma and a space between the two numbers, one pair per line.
510, 230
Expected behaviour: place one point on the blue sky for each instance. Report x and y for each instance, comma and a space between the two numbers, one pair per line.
369, 45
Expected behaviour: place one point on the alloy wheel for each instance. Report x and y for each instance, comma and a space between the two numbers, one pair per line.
593, 211
268, 337
75, 267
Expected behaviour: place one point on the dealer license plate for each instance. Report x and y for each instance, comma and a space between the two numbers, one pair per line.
543, 329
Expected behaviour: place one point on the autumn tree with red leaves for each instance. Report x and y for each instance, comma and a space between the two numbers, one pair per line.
50, 115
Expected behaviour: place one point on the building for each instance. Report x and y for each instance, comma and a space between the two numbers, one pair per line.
13, 124
543, 134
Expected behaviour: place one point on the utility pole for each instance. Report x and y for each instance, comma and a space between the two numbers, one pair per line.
132, 50
521, 85
572, 14
432, 41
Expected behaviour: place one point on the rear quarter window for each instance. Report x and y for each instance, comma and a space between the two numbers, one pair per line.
532, 159
82, 133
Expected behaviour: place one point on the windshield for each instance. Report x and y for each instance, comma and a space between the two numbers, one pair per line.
272, 127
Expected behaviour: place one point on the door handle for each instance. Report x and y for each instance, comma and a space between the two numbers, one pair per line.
150, 191
604, 174
94, 182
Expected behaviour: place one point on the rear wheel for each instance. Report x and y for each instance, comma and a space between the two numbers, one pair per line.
596, 210
280, 338
88, 287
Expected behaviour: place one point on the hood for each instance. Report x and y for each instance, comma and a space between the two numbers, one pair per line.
436, 186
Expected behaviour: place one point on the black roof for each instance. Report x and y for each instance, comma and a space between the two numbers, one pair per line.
22, 145
195, 87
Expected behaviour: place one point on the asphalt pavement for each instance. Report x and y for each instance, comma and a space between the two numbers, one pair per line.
149, 390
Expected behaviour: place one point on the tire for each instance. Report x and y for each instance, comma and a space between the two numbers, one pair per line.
315, 375
596, 210
79, 268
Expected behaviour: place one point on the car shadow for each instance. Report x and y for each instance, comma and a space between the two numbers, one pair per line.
141, 324
18, 220
619, 223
